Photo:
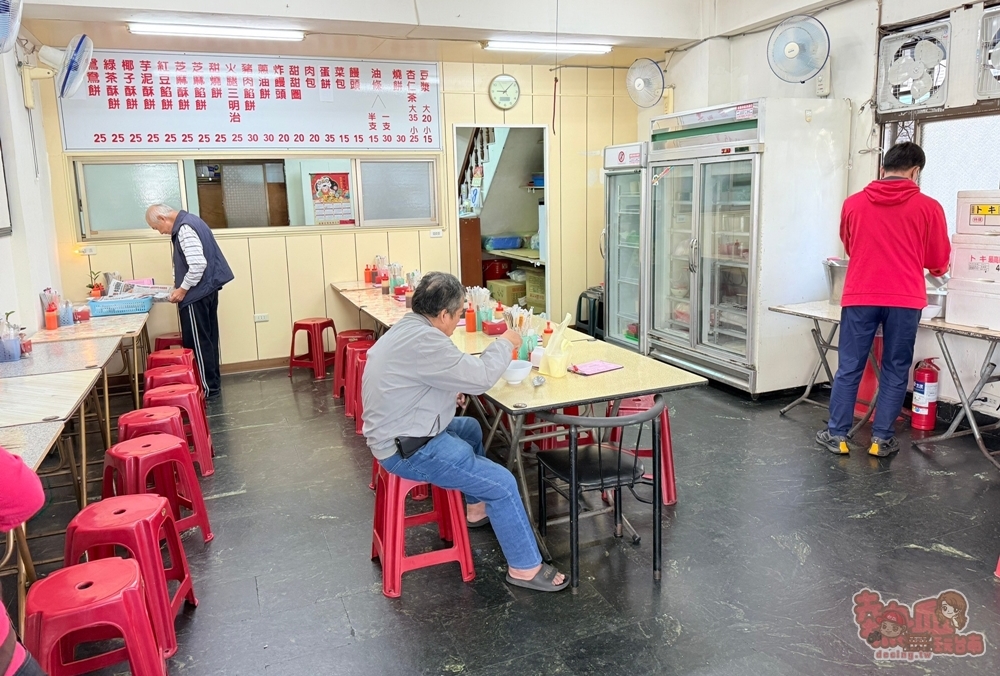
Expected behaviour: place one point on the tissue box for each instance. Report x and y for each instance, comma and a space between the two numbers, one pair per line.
496, 328
506, 291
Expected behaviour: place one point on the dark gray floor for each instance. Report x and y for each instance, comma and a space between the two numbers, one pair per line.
769, 542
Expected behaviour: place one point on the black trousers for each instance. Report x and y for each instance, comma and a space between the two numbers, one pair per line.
200, 332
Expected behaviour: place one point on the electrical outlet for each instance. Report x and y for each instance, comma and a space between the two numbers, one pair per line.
987, 403
261, 317
87, 251
437, 233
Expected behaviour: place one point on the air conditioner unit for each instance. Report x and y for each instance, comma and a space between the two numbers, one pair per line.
913, 68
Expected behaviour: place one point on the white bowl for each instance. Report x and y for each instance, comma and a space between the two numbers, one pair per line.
517, 371
930, 312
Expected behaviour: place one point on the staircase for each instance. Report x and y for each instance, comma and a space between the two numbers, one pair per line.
481, 157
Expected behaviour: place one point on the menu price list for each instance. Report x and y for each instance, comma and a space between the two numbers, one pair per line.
145, 101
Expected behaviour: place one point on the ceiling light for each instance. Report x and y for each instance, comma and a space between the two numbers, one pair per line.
186, 31
561, 47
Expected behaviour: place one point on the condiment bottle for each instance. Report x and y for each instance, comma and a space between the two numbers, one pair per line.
385, 286
51, 317
368, 274
498, 312
547, 334
470, 319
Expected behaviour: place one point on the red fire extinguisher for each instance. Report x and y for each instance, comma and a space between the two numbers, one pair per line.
925, 395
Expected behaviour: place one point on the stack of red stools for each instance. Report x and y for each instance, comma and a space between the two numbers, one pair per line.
150, 495
345, 338
354, 352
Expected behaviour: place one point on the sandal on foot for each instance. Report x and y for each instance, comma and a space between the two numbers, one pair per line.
542, 581
485, 521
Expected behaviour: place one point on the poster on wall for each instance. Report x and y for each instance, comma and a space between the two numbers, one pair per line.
140, 101
331, 197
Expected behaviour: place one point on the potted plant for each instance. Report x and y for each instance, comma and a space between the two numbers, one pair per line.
96, 288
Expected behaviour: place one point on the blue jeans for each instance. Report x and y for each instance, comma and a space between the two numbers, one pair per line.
857, 333
456, 459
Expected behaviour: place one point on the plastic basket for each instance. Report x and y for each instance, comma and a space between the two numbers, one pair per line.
109, 307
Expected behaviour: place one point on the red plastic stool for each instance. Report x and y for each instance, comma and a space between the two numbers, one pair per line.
353, 351
139, 523
315, 357
93, 601
668, 482
345, 338
391, 522
168, 340
177, 356
128, 466
359, 406
188, 399
145, 421
161, 376
421, 492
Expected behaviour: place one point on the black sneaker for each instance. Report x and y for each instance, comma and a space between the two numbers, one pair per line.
883, 447
833, 443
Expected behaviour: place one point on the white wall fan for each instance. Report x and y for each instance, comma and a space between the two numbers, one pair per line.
988, 56
644, 82
10, 23
68, 67
913, 68
799, 50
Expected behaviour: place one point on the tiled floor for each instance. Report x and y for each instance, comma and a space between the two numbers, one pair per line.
769, 543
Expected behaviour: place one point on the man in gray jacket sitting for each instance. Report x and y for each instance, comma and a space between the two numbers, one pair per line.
413, 380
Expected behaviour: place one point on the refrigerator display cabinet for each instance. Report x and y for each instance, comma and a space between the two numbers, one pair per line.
744, 203
624, 243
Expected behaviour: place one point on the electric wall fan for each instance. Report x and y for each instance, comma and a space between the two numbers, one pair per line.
68, 67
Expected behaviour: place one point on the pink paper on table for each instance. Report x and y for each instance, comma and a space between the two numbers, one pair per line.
591, 368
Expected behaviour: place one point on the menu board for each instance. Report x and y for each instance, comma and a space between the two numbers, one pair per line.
181, 101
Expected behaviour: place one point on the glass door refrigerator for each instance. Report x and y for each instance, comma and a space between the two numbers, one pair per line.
736, 229
625, 240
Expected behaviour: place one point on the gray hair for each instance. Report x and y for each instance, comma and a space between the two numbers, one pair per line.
438, 291
157, 210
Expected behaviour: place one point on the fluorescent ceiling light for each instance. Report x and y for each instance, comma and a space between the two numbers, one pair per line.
215, 32
561, 47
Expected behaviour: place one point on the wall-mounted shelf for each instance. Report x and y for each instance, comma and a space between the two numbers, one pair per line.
522, 255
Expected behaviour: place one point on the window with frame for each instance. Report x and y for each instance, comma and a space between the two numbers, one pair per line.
114, 196
242, 192
961, 155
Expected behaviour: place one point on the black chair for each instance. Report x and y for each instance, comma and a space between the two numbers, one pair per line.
599, 467
593, 325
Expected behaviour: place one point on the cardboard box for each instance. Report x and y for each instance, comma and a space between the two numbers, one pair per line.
535, 286
505, 290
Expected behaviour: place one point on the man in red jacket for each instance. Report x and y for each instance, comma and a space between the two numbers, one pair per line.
891, 233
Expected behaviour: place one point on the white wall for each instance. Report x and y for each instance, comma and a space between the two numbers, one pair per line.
509, 208
28, 258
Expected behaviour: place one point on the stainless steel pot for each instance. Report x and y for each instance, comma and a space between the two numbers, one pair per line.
836, 274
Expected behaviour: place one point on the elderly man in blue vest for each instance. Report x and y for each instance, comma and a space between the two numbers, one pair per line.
200, 270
